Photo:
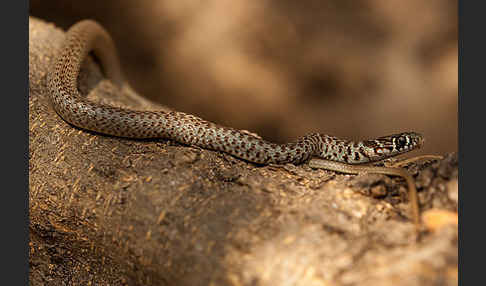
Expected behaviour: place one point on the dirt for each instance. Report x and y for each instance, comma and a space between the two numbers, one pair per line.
113, 211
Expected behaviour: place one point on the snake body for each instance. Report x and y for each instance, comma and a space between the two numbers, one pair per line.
87, 36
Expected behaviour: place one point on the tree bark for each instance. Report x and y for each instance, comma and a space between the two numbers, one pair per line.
107, 210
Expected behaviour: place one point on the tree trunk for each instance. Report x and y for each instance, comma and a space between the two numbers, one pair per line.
107, 210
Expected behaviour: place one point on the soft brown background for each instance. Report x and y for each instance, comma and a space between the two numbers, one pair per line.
353, 69
114, 211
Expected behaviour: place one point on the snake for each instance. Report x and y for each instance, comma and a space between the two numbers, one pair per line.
323, 151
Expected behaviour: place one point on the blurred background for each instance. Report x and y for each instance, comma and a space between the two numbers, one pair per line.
351, 68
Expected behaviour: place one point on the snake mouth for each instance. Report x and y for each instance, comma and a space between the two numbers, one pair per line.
418, 138
421, 142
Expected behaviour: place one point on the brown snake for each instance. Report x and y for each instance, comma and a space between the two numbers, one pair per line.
328, 152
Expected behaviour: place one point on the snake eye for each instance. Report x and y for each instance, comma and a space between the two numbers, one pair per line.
401, 142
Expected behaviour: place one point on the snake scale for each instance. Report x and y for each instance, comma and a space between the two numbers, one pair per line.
330, 152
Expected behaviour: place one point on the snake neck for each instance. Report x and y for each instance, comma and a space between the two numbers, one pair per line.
335, 149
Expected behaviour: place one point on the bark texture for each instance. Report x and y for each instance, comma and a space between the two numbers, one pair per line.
113, 211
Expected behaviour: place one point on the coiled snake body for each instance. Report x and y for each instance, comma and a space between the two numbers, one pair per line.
87, 35
332, 153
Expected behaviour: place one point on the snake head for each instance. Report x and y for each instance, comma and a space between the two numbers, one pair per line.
392, 145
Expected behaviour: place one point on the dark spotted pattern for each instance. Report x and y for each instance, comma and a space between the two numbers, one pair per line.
88, 36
